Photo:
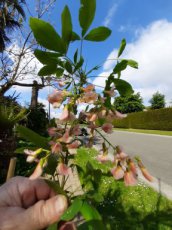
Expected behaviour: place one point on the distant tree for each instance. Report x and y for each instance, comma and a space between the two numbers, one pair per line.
157, 101
129, 104
11, 16
37, 119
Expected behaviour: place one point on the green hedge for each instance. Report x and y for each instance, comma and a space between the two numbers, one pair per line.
159, 119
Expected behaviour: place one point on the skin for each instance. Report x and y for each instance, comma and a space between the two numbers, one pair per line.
29, 204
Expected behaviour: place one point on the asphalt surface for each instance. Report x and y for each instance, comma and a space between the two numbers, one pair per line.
154, 150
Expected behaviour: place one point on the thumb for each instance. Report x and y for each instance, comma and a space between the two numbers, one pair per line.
45, 213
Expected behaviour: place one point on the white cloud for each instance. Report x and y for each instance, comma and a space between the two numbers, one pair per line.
28, 67
153, 51
110, 14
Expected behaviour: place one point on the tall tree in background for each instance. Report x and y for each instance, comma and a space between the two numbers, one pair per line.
11, 16
129, 104
157, 101
18, 66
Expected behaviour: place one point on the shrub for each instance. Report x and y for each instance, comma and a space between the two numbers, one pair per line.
37, 119
160, 119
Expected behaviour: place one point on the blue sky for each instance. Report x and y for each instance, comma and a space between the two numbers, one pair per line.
147, 27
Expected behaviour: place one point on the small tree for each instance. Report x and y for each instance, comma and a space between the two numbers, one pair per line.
129, 104
157, 101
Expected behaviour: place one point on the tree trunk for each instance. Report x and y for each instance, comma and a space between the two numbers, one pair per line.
34, 97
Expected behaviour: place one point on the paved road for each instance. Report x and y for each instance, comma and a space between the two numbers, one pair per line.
154, 150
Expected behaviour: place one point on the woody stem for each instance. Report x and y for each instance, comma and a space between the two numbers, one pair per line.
105, 139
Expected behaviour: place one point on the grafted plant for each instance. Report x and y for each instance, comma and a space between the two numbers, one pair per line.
65, 150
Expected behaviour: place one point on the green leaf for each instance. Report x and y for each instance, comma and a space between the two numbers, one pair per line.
79, 64
59, 72
120, 66
94, 68
123, 87
47, 70
52, 227
89, 212
68, 67
75, 58
91, 225
75, 37
46, 35
51, 165
123, 65
122, 47
86, 14
55, 186
33, 137
73, 210
133, 63
47, 58
98, 34
66, 25
21, 149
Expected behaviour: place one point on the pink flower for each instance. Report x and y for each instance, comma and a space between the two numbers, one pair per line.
67, 115
103, 158
88, 88
56, 147
92, 117
117, 172
144, 171
146, 174
107, 128
92, 126
89, 97
72, 148
110, 92
120, 153
56, 98
120, 115
66, 138
52, 131
37, 172
74, 145
132, 167
62, 83
121, 156
32, 155
130, 179
76, 130
63, 169
102, 113
110, 116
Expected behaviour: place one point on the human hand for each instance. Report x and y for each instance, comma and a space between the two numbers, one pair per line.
29, 204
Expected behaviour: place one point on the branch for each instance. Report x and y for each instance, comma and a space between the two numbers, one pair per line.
28, 85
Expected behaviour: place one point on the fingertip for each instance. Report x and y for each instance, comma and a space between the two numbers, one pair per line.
61, 204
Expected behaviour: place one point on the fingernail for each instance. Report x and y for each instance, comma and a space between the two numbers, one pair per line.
61, 203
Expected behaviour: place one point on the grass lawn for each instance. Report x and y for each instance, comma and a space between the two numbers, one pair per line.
158, 132
134, 208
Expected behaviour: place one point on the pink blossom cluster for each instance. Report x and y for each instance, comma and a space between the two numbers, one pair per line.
65, 137
124, 167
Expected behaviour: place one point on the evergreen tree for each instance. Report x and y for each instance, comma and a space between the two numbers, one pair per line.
129, 104
157, 101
